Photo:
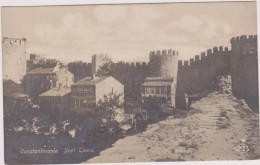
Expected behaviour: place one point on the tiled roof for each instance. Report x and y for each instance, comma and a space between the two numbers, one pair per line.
158, 81
90, 81
41, 71
56, 92
159, 78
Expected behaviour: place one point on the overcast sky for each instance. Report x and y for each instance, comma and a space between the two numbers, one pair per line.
128, 32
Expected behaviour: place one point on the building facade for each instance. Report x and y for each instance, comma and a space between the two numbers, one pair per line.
162, 90
14, 59
57, 99
40, 80
86, 93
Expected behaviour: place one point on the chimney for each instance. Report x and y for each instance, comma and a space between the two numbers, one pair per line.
93, 76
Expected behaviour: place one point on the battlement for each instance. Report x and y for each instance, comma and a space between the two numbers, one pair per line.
217, 51
14, 41
170, 52
244, 38
131, 64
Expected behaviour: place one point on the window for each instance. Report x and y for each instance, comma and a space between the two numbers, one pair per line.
76, 103
147, 91
73, 102
85, 103
66, 78
152, 91
157, 90
162, 90
168, 89
81, 103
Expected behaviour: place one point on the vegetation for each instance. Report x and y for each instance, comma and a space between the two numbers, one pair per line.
44, 63
108, 110
29, 126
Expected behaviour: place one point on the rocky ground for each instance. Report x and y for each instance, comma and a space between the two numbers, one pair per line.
217, 127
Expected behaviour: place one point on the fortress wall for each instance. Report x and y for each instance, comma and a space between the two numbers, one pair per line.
241, 62
132, 75
244, 69
198, 74
164, 63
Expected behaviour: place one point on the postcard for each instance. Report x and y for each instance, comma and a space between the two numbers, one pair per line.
130, 82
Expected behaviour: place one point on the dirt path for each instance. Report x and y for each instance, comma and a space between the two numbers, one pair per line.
218, 127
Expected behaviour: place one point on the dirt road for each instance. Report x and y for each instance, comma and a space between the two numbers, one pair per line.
218, 127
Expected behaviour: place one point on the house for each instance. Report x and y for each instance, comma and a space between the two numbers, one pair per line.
159, 89
11, 88
40, 80
86, 93
57, 99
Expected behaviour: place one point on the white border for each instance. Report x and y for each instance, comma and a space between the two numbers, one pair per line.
81, 2
78, 2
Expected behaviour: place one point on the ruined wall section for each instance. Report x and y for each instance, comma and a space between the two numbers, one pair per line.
14, 58
164, 63
244, 69
198, 75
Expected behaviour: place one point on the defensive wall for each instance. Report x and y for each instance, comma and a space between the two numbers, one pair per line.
195, 76
132, 75
244, 69
164, 63
199, 74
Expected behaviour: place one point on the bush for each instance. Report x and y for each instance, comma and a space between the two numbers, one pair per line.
108, 109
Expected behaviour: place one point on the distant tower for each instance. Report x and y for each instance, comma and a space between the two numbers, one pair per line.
14, 59
98, 61
163, 63
34, 58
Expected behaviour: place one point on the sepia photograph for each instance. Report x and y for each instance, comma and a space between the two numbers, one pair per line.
130, 82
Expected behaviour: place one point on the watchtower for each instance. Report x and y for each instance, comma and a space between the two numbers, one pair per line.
14, 58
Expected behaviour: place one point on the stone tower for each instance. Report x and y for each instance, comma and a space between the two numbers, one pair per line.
98, 61
244, 68
14, 58
164, 63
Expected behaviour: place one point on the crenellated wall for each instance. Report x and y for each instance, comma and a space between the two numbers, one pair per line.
244, 69
164, 63
198, 75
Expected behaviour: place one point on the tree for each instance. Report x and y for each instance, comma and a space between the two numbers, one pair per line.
109, 110
105, 70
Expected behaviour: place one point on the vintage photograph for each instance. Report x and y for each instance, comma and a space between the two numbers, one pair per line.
117, 83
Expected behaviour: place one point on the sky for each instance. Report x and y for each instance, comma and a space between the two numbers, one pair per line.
128, 32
